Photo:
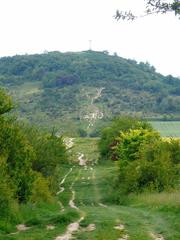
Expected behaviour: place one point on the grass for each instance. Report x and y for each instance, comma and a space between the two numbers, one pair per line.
157, 200
138, 216
141, 214
87, 146
38, 218
167, 128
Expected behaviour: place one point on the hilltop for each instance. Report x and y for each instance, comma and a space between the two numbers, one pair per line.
72, 91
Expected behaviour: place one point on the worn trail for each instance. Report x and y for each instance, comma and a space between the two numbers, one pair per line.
84, 189
95, 113
101, 219
73, 227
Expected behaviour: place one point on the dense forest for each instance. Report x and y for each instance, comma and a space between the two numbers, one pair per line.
54, 86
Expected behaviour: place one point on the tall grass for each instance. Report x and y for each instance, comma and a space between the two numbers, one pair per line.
157, 200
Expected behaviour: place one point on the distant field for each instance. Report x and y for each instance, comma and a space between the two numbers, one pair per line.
167, 128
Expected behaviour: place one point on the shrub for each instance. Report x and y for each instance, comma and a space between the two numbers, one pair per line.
110, 134
50, 151
145, 163
128, 143
81, 132
40, 190
8, 203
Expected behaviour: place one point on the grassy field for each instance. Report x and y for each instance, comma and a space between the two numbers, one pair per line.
90, 188
167, 128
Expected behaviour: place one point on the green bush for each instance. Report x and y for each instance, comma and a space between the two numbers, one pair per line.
145, 162
109, 135
65, 217
81, 132
143, 175
5, 102
29, 162
19, 156
40, 190
50, 150
174, 147
129, 143
8, 203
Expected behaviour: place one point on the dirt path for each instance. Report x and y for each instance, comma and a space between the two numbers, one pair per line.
86, 192
87, 197
73, 227
81, 159
69, 142
156, 236
61, 189
62, 182
94, 113
98, 95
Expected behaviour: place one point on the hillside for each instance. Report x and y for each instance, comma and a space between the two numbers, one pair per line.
73, 91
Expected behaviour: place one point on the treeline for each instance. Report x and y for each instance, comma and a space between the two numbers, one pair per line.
145, 161
29, 163
59, 79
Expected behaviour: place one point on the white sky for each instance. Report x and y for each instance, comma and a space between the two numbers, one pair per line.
33, 26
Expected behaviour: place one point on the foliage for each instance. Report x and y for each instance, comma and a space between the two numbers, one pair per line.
82, 133
139, 215
130, 142
5, 102
29, 160
161, 156
152, 7
55, 88
40, 190
173, 147
109, 135
19, 155
50, 152
8, 205
146, 163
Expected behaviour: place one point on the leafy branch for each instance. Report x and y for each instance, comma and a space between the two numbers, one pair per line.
152, 7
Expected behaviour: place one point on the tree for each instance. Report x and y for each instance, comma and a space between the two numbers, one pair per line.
5, 102
130, 142
152, 7
18, 155
50, 150
145, 162
109, 134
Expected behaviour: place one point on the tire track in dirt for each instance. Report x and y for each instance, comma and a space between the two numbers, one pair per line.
156, 236
73, 227
62, 189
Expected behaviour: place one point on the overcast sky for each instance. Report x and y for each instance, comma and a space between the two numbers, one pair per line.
33, 26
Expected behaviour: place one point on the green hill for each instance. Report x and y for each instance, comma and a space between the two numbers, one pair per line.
73, 91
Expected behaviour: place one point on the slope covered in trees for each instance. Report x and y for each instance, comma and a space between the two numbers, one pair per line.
54, 86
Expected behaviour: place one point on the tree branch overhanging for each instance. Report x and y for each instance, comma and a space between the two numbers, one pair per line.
152, 7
